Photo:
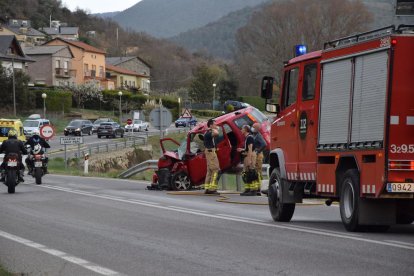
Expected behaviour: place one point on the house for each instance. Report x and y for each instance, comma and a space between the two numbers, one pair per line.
88, 61
136, 65
68, 33
11, 54
25, 34
53, 66
126, 79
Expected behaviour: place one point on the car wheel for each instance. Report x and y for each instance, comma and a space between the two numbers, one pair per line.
66, 134
99, 136
122, 135
146, 129
90, 132
280, 211
180, 182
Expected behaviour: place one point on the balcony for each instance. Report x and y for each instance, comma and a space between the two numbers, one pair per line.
65, 73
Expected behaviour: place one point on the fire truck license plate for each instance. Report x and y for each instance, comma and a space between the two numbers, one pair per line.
38, 164
400, 187
12, 163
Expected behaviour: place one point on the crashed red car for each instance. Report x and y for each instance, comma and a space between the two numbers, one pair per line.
185, 166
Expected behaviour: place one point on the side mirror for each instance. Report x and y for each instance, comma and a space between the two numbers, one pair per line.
272, 108
267, 88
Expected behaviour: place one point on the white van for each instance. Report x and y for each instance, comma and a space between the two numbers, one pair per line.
33, 124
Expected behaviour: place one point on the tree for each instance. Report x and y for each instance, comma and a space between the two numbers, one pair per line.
85, 92
24, 100
268, 39
201, 88
228, 86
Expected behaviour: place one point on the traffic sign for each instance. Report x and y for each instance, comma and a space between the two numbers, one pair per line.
186, 114
71, 140
160, 118
47, 132
129, 121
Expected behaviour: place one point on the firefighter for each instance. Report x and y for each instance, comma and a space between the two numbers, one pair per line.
213, 167
259, 146
249, 161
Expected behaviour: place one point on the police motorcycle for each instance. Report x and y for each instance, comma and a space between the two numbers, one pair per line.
11, 172
36, 162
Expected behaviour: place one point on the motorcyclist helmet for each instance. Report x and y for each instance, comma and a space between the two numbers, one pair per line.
37, 148
12, 133
36, 132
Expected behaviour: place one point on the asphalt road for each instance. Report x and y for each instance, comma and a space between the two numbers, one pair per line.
94, 140
92, 226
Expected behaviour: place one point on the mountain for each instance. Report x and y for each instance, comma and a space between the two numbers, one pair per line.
218, 38
167, 18
106, 14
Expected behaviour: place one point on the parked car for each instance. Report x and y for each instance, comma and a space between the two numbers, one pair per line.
185, 122
137, 125
78, 127
236, 105
31, 125
97, 122
184, 164
110, 129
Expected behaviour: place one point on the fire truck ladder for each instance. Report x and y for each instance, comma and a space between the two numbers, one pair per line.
374, 34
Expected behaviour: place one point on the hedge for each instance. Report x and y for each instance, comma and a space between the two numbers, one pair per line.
56, 100
255, 101
207, 113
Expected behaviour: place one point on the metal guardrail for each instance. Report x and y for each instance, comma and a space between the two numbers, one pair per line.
146, 165
80, 150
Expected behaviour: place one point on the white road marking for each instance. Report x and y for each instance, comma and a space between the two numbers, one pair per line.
399, 242
229, 216
319, 232
72, 259
188, 209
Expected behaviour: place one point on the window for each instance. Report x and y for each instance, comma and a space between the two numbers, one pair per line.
65, 66
309, 82
290, 89
101, 71
57, 63
244, 120
86, 68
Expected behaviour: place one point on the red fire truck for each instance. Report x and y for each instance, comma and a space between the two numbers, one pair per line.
344, 130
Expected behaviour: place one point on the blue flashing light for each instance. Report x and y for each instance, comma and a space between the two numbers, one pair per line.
300, 50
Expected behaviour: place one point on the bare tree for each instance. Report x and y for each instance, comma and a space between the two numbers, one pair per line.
269, 38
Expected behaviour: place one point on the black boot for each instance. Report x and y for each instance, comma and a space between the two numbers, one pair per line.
246, 193
3, 177
20, 176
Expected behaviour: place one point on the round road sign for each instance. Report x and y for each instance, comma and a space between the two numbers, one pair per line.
47, 132
129, 121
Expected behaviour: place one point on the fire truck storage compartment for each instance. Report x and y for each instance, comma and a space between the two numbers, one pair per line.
353, 100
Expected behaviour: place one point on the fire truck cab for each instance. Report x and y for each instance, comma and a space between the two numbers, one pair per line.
344, 129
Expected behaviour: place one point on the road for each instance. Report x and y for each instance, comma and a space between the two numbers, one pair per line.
93, 139
93, 226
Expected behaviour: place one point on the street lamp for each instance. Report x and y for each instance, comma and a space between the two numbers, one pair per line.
214, 93
148, 90
120, 106
44, 96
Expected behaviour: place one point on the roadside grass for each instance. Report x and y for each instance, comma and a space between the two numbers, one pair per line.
3, 272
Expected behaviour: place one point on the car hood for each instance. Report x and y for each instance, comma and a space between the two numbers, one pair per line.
72, 127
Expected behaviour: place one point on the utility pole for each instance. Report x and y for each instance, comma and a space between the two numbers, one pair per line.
14, 90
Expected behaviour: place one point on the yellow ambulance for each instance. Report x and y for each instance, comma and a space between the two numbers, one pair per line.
7, 124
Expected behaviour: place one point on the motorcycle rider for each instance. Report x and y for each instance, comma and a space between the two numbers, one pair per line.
32, 142
12, 145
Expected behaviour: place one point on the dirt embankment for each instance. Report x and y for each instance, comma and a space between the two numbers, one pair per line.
119, 160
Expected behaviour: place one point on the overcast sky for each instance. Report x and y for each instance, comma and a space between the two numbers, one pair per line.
98, 6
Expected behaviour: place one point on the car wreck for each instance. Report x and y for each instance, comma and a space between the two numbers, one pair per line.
185, 166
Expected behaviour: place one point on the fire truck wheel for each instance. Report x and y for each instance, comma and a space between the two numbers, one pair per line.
349, 201
180, 182
280, 211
